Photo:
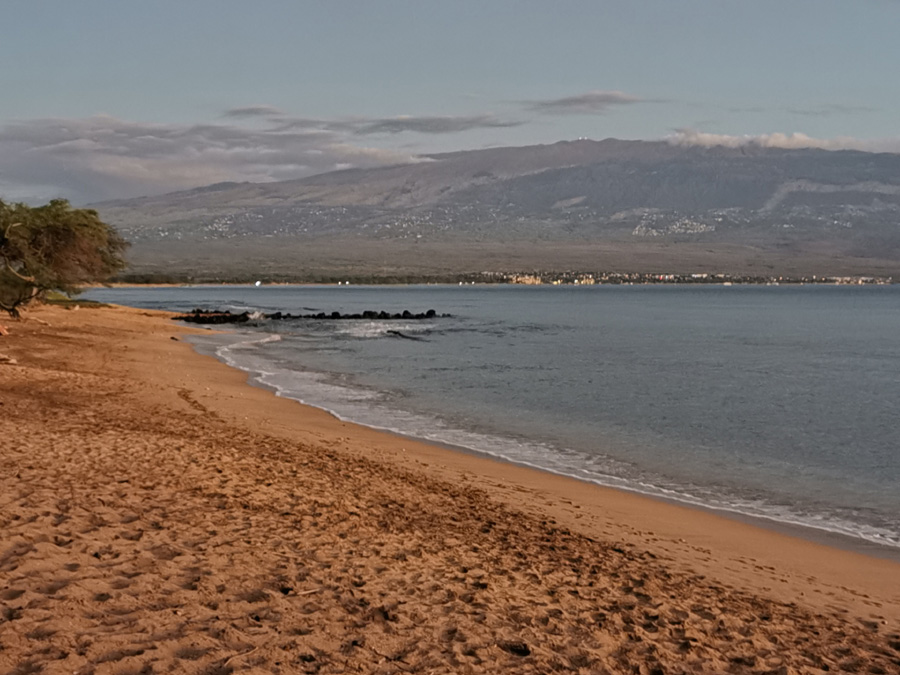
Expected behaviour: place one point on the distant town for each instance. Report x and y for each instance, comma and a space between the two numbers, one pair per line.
549, 278
579, 279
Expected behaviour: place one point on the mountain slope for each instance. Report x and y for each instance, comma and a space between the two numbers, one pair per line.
810, 209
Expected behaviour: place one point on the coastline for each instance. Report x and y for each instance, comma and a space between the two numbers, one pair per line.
823, 281
826, 534
809, 533
133, 352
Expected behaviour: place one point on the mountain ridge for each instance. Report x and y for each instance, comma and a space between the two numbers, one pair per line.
810, 206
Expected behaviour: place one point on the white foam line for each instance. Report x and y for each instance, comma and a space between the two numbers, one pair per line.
866, 533
470, 441
223, 352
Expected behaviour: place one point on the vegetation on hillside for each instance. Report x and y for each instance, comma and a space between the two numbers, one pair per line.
626, 206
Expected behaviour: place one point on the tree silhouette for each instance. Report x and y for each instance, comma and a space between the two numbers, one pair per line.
53, 247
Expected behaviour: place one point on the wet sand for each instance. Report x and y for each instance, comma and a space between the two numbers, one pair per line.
158, 514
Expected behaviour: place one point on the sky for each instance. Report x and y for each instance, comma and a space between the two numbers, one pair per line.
111, 99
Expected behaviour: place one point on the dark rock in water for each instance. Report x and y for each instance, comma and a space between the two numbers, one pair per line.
397, 333
210, 317
206, 316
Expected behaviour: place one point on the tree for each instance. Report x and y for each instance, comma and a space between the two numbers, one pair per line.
53, 247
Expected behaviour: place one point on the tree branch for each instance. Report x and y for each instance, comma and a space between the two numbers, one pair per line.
8, 228
9, 267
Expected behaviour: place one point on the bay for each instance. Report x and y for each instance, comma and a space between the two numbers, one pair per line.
772, 402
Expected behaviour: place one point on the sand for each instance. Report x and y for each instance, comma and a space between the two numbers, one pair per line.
159, 515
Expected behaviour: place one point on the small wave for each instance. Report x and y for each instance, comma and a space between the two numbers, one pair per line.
293, 385
225, 352
240, 309
379, 329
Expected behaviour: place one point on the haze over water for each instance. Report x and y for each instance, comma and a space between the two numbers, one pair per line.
774, 402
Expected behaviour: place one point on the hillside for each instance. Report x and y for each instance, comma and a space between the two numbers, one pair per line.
587, 205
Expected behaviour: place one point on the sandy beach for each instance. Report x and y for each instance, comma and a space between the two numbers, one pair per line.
160, 515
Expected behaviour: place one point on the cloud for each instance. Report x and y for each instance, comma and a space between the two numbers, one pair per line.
747, 109
692, 137
101, 157
829, 109
365, 126
253, 111
432, 125
823, 110
591, 103
282, 123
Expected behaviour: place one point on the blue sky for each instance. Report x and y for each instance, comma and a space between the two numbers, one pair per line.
114, 99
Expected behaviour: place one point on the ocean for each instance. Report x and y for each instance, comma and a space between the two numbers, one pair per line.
778, 403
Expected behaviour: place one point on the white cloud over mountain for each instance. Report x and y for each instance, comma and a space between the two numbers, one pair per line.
102, 157
780, 140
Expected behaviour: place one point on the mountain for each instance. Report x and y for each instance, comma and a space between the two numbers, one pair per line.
587, 205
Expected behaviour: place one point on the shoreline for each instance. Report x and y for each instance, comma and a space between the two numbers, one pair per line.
456, 462
811, 533
181, 517
808, 533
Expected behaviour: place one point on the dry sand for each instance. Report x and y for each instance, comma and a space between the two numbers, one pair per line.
157, 514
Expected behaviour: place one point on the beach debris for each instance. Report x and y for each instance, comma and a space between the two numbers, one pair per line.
40, 321
231, 658
3, 330
8, 360
516, 647
206, 316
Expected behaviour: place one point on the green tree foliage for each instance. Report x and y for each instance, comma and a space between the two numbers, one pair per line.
53, 247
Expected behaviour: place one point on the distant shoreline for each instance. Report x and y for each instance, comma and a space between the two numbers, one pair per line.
623, 280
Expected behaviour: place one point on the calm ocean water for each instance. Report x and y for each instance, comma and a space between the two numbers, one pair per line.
774, 402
